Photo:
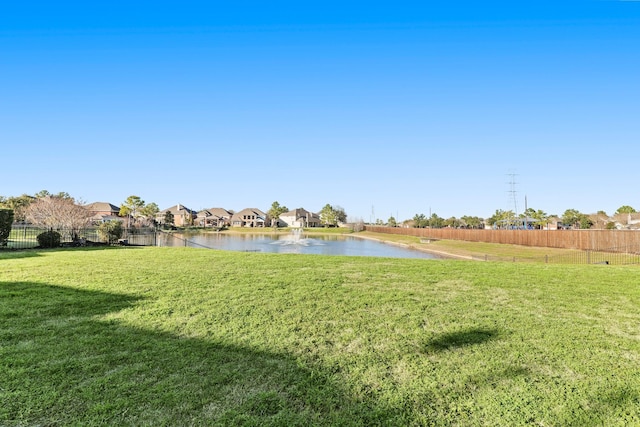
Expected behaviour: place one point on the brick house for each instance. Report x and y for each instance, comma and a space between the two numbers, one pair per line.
249, 217
103, 212
182, 216
214, 217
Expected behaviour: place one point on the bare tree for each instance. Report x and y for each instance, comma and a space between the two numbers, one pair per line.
58, 213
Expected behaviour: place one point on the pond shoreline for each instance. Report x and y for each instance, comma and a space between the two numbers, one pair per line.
322, 242
440, 254
341, 232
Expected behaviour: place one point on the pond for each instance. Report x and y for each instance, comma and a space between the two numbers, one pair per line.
293, 243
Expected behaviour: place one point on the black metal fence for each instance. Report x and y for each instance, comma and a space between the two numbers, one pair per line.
26, 237
612, 257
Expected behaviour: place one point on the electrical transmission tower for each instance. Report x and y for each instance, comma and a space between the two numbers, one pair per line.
513, 195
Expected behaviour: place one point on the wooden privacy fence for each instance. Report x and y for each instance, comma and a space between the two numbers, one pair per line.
624, 241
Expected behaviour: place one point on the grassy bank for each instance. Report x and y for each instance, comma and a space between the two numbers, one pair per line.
179, 336
470, 249
501, 252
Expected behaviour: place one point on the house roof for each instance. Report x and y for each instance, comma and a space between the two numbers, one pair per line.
296, 212
208, 213
254, 211
300, 213
178, 209
102, 207
221, 212
249, 211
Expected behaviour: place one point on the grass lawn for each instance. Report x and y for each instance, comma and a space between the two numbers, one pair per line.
181, 336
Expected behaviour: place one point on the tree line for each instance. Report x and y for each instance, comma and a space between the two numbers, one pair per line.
530, 218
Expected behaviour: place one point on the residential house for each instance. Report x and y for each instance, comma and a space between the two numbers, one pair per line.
601, 220
214, 217
299, 218
103, 212
182, 215
250, 217
553, 223
627, 221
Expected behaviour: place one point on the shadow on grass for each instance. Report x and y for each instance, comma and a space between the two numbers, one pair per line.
15, 253
63, 362
10, 253
453, 340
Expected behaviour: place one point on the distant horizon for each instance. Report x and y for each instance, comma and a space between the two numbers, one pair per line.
350, 217
383, 109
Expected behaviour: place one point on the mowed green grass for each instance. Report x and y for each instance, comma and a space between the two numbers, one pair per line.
181, 336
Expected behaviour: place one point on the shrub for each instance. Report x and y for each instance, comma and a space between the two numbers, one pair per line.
110, 231
49, 239
6, 219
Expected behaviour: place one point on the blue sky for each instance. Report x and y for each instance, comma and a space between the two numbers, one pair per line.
385, 109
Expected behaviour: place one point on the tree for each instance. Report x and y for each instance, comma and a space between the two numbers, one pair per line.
327, 216
571, 218
539, 217
391, 222
625, 210
58, 213
357, 224
331, 217
453, 222
168, 218
110, 231
6, 220
149, 212
576, 219
275, 212
130, 208
341, 215
49, 239
501, 219
585, 222
435, 221
472, 221
18, 205
420, 221
44, 193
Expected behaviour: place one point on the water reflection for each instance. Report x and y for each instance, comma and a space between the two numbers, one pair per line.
288, 243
